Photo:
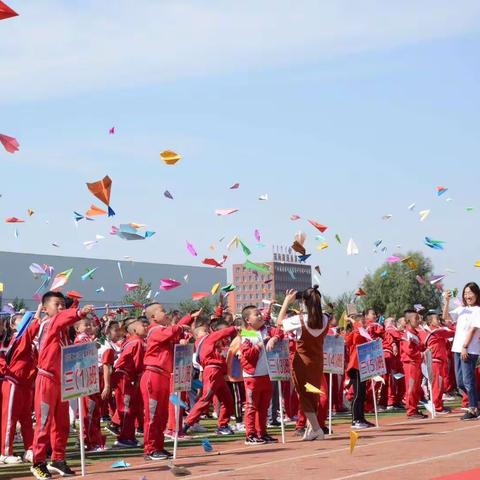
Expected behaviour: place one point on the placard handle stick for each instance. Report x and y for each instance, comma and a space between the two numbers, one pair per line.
330, 404
430, 390
82, 444
374, 402
177, 425
280, 401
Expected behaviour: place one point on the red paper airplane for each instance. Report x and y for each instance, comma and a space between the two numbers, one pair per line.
318, 226
213, 262
6, 11
11, 145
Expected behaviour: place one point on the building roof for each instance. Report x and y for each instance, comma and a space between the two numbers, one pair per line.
19, 282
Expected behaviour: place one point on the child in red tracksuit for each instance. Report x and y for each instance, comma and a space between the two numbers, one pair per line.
435, 337
128, 370
209, 350
107, 356
94, 440
392, 393
258, 386
51, 413
155, 383
411, 348
17, 389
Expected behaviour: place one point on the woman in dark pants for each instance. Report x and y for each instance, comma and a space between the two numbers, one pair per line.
466, 344
352, 339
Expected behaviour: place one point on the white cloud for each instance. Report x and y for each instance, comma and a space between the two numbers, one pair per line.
59, 47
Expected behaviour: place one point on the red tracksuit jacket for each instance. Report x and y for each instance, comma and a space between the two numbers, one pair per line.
250, 353
54, 336
375, 330
411, 346
22, 365
353, 339
436, 340
160, 344
130, 361
391, 337
210, 352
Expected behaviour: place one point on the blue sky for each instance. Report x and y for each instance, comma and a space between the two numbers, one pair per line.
341, 111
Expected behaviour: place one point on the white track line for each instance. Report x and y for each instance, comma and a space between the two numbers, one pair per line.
319, 454
415, 462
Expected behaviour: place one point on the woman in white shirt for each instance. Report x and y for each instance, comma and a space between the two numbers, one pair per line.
466, 343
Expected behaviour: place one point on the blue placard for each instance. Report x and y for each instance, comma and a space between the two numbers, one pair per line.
371, 360
79, 370
334, 355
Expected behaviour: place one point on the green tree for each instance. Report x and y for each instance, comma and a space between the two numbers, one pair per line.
339, 303
394, 287
18, 304
189, 305
139, 295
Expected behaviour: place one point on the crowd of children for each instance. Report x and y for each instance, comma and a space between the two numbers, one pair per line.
135, 361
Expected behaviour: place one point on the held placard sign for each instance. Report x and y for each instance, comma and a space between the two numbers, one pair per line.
278, 361
371, 360
334, 355
79, 372
182, 368
427, 368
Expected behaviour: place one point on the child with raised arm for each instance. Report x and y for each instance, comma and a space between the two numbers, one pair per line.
51, 413
209, 355
156, 381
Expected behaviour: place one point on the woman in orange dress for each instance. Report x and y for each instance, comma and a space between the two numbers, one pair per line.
310, 328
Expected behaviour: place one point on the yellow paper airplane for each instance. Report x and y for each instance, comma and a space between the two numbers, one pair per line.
312, 389
353, 440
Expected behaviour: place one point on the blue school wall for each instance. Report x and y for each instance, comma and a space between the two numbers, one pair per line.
19, 283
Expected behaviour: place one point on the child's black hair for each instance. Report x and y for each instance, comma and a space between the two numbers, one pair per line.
47, 296
217, 323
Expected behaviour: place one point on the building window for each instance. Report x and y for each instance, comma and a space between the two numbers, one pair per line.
237, 269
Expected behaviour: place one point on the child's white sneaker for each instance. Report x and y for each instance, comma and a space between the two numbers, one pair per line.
12, 460
28, 456
311, 434
197, 428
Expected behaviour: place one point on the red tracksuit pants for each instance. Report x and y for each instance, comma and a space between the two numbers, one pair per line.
127, 397
413, 381
440, 372
258, 394
388, 392
172, 419
155, 388
213, 384
337, 391
52, 426
290, 399
16, 407
92, 411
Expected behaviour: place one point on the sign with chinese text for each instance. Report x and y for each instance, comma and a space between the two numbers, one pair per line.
334, 355
182, 368
79, 372
278, 361
371, 360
